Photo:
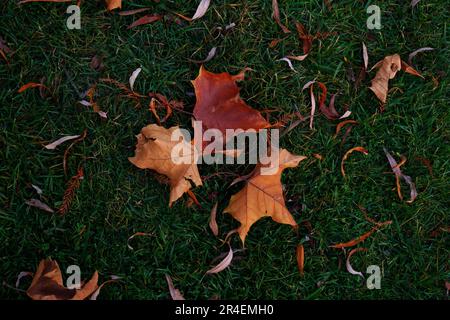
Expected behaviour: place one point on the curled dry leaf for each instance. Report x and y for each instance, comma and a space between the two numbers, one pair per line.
262, 196
305, 37
341, 124
359, 149
348, 264
22, 275
289, 62
113, 4
132, 12
361, 238
56, 143
387, 69
30, 85
174, 293
211, 55
399, 175
365, 56
201, 9
137, 234
414, 53
276, 16
219, 105
212, 220
39, 204
133, 77
223, 264
96, 293
313, 102
330, 111
154, 151
147, 19
47, 284
157, 100
300, 258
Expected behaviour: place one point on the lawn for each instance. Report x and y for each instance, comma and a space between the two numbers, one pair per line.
116, 199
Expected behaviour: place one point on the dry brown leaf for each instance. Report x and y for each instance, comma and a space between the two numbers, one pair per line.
113, 4
39, 204
359, 149
219, 106
212, 220
276, 16
150, 18
48, 284
387, 69
361, 238
300, 258
399, 175
341, 124
262, 196
223, 264
174, 293
348, 264
31, 85
70, 192
306, 38
153, 151
132, 12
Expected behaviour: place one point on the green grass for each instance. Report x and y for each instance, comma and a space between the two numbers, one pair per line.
116, 199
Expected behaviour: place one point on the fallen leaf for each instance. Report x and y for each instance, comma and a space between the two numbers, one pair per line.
132, 12
174, 293
276, 16
94, 296
361, 238
330, 111
69, 193
47, 284
39, 204
38, 190
306, 38
31, 85
22, 275
313, 102
414, 53
154, 151
56, 143
113, 4
341, 124
365, 56
211, 55
414, 3
359, 149
96, 63
399, 175
300, 258
219, 106
150, 18
262, 196
408, 69
201, 9
212, 220
137, 234
387, 69
348, 264
289, 62
223, 264
133, 77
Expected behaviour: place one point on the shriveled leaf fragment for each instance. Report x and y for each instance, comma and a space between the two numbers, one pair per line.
276, 16
113, 4
359, 149
306, 38
415, 52
223, 264
30, 85
48, 284
201, 9
154, 151
147, 19
262, 195
348, 264
137, 234
399, 175
133, 77
132, 12
38, 190
219, 105
96, 293
289, 62
212, 220
22, 275
414, 3
300, 258
56, 143
365, 56
387, 69
174, 293
361, 238
211, 55
39, 204
313, 102
329, 111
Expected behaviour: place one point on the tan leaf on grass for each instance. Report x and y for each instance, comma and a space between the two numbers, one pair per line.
174, 293
39, 204
137, 234
399, 175
113, 4
54, 144
147, 19
200, 12
154, 151
212, 220
276, 16
132, 12
365, 56
223, 264
387, 69
133, 77
348, 265
359, 149
211, 55
48, 284
415, 52
262, 196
